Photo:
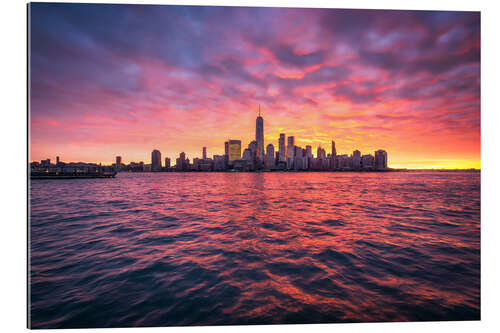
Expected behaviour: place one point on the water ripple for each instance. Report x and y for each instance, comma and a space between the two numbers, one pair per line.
220, 248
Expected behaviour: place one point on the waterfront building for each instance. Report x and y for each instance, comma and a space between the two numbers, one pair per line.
234, 150
259, 136
253, 146
219, 163
356, 159
204, 153
118, 160
309, 151
298, 163
181, 162
297, 151
321, 153
57, 160
196, 163
241, 165
226, 154
247, 155
167, 162
367, 161
202, 164
381, 159
343, 161
290, 150
282, 148
270, 159
334, 150
155, 160
298, 159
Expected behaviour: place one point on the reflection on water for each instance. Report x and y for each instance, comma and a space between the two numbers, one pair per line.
254, 248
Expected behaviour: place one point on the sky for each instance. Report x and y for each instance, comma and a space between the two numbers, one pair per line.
108, 80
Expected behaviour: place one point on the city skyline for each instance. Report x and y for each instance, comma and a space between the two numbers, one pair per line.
259, 158
400, 80
322, 151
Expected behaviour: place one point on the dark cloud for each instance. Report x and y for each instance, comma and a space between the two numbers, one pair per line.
82, 47
286, 54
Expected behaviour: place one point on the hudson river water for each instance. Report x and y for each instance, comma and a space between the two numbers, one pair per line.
157, 249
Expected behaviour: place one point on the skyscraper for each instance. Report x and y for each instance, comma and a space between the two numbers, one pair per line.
259, 136
57, 159
270, 156
334, 150
309, 151
356, 159
321, 153
181, 163
247, 155
290, 150
118, 160
253, 146
282, 148
226, 148
204, 153
155, 160
381, 159
234, 149
167, 162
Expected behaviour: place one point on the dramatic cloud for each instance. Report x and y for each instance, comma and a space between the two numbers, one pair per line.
112, 80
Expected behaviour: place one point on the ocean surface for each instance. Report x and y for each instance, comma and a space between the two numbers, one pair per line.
161, 249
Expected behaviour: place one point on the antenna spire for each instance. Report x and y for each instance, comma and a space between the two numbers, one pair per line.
259, 110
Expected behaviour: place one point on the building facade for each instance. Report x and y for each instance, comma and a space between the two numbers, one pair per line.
234, 149
282, 148
290, 152
259, 136
270, 162
155, 160
381, 159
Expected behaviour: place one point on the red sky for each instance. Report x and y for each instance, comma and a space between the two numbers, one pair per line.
111, 80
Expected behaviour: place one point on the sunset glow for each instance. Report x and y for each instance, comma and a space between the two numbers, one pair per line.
111, 80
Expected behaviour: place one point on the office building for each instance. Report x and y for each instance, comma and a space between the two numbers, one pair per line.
367, 161
282, 148
321, 153
247, 155
167, 162
334, 150
204, 153
259, 136
181, 163
356, 159
234, 150
381, 159
270, 156
290, 150
309, 151
155, 160
219, 163
253, 146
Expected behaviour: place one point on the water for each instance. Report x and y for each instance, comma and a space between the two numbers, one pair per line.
158, 249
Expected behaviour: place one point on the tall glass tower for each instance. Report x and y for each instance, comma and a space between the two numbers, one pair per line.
282, 151
259, 136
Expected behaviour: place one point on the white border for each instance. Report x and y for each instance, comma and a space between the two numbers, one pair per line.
13, 131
